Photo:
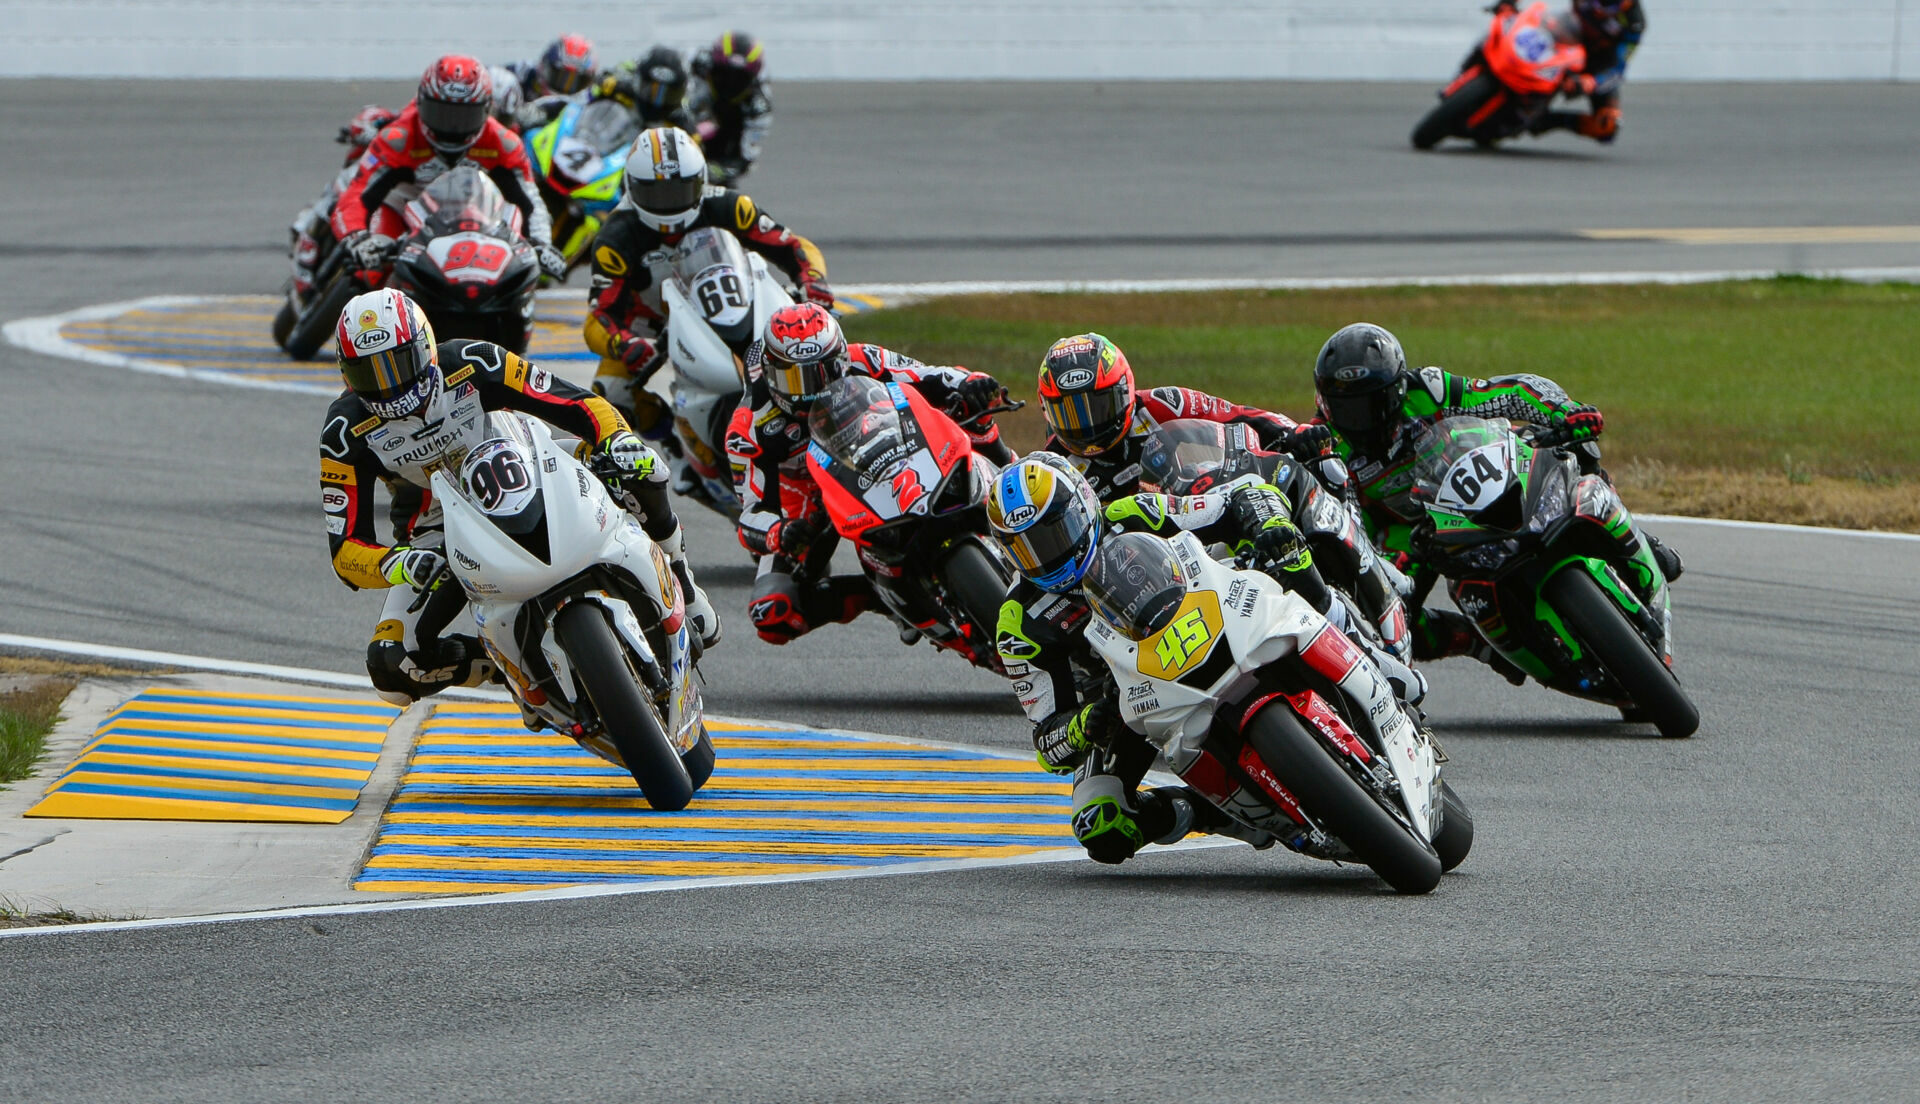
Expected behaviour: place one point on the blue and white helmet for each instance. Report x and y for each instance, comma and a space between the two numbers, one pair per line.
1046, 516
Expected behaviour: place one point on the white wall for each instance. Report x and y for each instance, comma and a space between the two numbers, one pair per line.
942, 39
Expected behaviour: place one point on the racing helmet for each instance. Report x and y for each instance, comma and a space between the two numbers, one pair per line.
1045, 514
1136, 585
802, 351
507, 98
454, 101
1601, 16
566, 66
387, 353
1086, 392
732, 65
661, 84
666, 178
1360, 385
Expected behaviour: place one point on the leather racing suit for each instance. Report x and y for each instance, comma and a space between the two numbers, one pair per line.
1068, 693
1609, 43
625, 316
407, 658
401, 155
783, 519
732, 132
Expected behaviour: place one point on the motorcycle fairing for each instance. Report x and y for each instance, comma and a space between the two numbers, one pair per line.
1529, 53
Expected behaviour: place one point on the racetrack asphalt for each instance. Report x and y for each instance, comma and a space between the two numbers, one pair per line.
1727, 917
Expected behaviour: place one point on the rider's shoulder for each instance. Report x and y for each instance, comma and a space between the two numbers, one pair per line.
1433, 380
722, 206
463, 358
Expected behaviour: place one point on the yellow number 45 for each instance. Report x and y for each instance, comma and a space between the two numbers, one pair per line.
1182, 640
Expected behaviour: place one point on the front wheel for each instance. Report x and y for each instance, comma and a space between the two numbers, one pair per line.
1331, 796
973, 581
1449, 117
626, 709
1455, 837
1622, 651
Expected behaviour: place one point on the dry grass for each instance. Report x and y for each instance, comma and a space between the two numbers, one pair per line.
36, 665
26, 716
17, 914
1655, 488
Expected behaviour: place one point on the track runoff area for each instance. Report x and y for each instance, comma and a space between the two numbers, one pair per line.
488, 812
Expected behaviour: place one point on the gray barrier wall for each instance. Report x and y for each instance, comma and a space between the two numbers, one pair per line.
936, 39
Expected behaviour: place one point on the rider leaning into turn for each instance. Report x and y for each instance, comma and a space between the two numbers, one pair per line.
729, 95
1374, 404
412, 407
1610, 30
783, 520
667, 197
449, 120
1047, 517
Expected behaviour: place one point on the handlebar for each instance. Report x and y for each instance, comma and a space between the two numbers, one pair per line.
1547, 435
432, 584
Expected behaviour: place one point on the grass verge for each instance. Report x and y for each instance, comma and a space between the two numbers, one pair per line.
16, 914
1770, 400
27, 714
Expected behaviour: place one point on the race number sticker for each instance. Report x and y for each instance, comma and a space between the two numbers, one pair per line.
722, 296
1186, 640
469, 258
579, 160
1533, 45
1476, 480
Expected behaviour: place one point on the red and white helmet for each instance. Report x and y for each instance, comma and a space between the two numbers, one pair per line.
387, 353
803, 351
455, 98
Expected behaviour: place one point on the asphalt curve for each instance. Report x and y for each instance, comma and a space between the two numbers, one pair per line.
1727, 917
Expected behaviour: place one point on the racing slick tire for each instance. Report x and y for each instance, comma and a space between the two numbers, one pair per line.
1331, 796
316, 325
970, 576
1455, 837
626, 709
698, 759
283, 321
1620, 648
1449, 117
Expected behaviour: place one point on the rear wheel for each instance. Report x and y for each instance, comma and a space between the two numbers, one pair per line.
1448, 119
283, 321
977, 585
1455, 838
1627, 656
316, 325
626, 709
1331, 796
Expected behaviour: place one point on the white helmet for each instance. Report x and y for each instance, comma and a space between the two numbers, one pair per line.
666, 178
387, 353
507, 98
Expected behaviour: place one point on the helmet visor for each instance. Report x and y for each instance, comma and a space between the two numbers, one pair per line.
794, 387
667, 197
1135, 585
566, 79
453, 125
1360, 414
1054, 550
393, 382
1088, 421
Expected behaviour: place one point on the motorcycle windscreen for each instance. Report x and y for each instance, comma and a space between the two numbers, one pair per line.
606, 126
1190, 456
497, 477
1465, 465
711, 269
464, 199
857, 423
1135, 584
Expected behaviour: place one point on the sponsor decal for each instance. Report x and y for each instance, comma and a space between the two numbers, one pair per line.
1234, 591
369, 319
465, 560
1021, 515
1352, 373
1127, 476
743, 212
336, 526
459, 377
393, 441
550, 464
1016, 647
1073, 378
369, 339
1246, 603
580, 477
1139, 690
539, 381
366, 427
333, 500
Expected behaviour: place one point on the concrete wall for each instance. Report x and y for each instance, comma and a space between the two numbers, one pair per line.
937, 39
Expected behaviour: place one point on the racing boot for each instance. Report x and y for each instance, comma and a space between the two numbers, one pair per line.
706, 620
1105, 817
402, 677
1602, 126
1667, 559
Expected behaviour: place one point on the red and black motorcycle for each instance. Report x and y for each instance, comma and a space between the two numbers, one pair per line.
1508, 80
901, 481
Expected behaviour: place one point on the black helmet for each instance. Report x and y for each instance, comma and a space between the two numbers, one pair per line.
1360, 385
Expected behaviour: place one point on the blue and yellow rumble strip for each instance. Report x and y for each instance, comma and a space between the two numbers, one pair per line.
230, 336
486, 805
192, 755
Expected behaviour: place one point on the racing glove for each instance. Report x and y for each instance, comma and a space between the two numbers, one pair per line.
978, 392
370, 251
630, 454
1578, 84
818, 292
1060, 748
1306, 441
638, 353
794, 537
1583, 423
414, 567
553, 263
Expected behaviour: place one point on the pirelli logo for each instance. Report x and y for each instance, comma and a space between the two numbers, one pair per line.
455, 379
366, 427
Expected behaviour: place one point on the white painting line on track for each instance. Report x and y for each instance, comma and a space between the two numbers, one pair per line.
1778, 527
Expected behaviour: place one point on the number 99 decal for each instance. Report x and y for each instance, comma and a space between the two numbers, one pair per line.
469, 258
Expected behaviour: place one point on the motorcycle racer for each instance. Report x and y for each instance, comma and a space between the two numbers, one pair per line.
413, 406
783, 520
1101, 425
729, 95
448, 120
1373, 404
1610, 31
562, 71
666, 197
654, 86
1045, 514
310, 228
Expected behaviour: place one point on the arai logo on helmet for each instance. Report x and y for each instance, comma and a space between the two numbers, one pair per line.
1074, 377
806, 350
1352, 373
1020, 516
367, 339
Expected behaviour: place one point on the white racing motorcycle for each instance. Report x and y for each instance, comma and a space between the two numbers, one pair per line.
579, 609
1270, 712
717, 298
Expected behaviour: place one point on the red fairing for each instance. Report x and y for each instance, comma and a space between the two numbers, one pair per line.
948, 441
1322, 717
852, 515
1209, 776
1529, 53
1256, 769
1332, 654
402, 147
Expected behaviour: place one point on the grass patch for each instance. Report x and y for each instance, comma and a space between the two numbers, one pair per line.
27, 714
1780, 400
15, 914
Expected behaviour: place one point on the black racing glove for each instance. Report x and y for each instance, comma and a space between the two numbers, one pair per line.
1062, 747
976, 393
1306, 441
553, 263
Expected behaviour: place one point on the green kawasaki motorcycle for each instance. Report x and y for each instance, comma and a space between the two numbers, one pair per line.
1548, 564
